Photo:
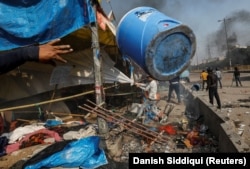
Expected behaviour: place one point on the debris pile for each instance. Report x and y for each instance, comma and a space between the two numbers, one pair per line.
126, 135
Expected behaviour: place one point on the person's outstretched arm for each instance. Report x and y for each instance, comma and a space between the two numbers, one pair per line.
11, 59
45, 53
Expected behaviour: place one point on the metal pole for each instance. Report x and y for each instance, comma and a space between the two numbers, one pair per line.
102, 124
225, 26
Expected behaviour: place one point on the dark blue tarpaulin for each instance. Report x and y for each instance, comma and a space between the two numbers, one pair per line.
26, 22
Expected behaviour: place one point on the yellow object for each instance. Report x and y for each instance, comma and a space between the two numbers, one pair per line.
105, 37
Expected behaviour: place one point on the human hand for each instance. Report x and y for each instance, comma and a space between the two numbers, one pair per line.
137, 84
49, 52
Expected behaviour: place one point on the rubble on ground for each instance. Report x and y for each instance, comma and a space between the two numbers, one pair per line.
124, 136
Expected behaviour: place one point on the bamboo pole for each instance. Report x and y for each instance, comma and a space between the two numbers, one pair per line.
128, 124
50, 101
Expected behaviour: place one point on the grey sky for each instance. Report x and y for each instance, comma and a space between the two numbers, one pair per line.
202, 17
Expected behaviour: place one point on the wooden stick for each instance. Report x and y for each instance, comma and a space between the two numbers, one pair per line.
23, 120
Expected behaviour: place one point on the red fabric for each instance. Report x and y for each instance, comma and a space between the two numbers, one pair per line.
168, 129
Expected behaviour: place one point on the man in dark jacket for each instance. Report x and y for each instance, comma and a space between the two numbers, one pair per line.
212, 88
174, 85
45, 53
237, 76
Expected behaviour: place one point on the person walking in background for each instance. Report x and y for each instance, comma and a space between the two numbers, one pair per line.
236, 74
219, 76
203, 77
212, 88
174, 85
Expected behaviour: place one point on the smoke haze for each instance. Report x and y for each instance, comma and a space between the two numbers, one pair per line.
202, 16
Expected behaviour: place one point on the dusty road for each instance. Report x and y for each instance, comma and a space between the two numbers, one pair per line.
229, 91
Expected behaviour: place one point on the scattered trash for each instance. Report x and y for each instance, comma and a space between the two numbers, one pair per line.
53, 122
196, 87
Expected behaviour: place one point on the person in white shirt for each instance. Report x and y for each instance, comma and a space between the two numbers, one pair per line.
219, 76
151, 96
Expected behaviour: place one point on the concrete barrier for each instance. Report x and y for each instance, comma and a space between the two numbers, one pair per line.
224, 131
